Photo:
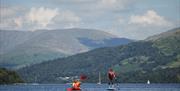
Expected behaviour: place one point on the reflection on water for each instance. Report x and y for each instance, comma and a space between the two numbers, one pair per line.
92, 87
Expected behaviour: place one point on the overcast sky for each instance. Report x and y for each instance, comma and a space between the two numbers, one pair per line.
134, 19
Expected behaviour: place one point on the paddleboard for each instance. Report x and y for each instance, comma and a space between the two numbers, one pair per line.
111, 89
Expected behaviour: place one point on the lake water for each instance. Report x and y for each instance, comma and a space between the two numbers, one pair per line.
92, 87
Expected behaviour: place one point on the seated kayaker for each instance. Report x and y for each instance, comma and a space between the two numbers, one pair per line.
76, 85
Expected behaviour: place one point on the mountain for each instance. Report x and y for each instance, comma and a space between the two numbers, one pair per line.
173, 32
168, 42
157, 60
22, 48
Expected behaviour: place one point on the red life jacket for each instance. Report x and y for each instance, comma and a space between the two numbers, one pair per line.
111, 75
76, 86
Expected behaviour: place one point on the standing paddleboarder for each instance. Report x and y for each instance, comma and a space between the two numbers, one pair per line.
111, 76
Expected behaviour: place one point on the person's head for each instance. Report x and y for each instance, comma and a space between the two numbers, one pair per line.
110, 69
75, 81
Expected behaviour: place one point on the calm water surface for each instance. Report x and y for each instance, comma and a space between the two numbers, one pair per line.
92, 87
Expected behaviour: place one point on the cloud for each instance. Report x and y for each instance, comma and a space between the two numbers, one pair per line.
67, 16
6, 12
150, 18
120, 17
108, 3
37, 18
140, 26
41, 16
114, 4
19, 22
121, 20
8, 16
66, 19
52, 18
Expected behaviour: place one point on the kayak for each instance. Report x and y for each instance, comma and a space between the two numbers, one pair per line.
111, 89
70, 89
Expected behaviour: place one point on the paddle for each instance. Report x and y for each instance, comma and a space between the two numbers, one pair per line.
117, 83
83, 77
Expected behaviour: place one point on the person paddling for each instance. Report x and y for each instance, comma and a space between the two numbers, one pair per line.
111, 76
76, 85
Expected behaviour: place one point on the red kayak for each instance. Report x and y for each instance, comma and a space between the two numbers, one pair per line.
70, 89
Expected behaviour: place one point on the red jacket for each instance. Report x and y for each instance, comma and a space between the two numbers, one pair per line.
76, 86
111, 75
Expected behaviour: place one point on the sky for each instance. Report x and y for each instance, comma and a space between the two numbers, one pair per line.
134, 19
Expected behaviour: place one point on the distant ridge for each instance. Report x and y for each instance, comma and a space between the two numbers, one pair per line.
21, 48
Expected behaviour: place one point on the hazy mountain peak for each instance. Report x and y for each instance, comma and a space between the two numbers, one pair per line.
174, 32
24, 47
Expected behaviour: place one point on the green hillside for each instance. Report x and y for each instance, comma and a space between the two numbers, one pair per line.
157, 60
9, 77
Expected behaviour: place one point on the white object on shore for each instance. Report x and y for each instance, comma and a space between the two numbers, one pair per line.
34, 84
99, 78
148, 82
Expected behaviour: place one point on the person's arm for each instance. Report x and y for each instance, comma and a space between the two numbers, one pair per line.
114, 74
